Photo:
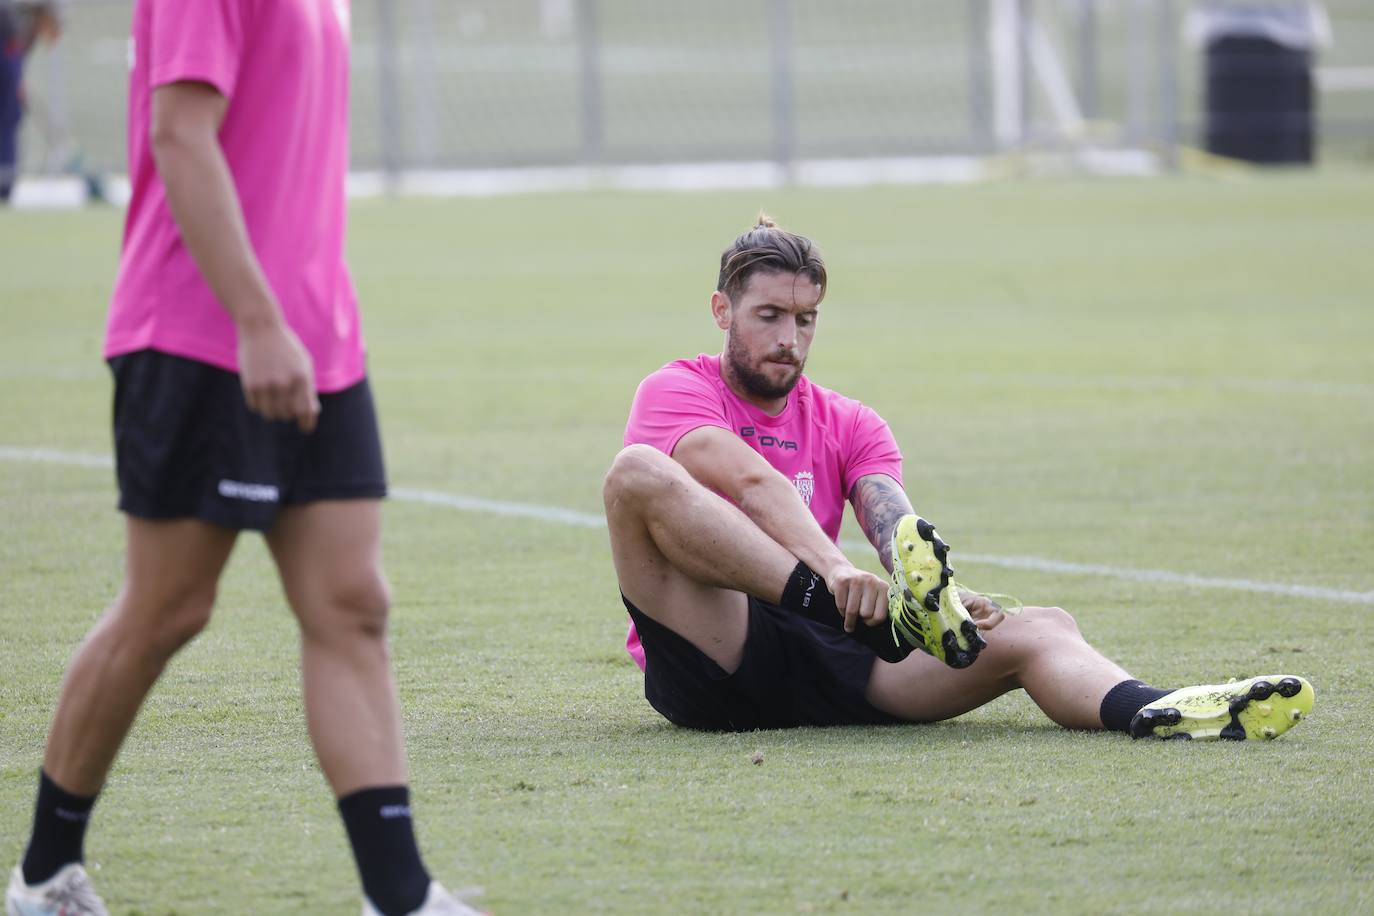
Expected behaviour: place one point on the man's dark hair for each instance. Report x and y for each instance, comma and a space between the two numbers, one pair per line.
768, 249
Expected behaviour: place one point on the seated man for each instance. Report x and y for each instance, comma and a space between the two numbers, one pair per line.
746, 614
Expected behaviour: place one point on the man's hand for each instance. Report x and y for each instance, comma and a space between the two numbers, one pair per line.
277, 375
859, 595
985, 612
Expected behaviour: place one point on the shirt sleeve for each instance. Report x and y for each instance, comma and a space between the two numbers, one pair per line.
873, 449
201, 41
671, 403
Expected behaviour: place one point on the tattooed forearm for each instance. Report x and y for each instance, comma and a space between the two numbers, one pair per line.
879, 502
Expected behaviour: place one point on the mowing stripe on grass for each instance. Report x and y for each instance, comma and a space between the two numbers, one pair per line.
590, 520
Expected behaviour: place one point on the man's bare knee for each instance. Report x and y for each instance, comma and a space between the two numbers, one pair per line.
636, 475
1021, 639
352, 607
158, 625
1055, 618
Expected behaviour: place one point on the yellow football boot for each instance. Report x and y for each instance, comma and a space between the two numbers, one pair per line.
923, 600
1260, 708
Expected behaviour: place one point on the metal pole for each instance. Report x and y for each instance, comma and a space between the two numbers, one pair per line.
1137, 72
58, 132
589, 82
1023, 67
784, 92
1008, 74
979, 77
1167, 109
1089, 80
426, 85
389, 91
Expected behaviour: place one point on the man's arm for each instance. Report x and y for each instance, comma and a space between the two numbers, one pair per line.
879, 503
274, 367
716, 458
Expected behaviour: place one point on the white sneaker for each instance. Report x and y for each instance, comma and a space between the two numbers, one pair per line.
67, 893
438, 902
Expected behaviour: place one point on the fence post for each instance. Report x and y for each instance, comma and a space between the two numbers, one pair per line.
1167, 34
589, 82
1089, 79
783, 82
1007, 51
1024, 17
979, 70
58, 154
1138, 72
426, 114
389, 92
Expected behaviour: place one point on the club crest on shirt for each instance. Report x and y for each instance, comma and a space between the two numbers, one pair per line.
805, 483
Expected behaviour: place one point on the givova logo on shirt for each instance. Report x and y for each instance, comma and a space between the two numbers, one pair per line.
805, 482
766, 441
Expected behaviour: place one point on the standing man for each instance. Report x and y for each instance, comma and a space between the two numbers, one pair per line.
241, 402
22, 23
745, 612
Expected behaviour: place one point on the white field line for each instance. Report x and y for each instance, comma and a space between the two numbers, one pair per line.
497, 507
1157, 383
54, 456
577, 519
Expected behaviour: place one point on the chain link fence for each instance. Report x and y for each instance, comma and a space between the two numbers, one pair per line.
473, 84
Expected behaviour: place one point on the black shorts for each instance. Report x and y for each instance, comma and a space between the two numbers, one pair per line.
795, 672
187, 446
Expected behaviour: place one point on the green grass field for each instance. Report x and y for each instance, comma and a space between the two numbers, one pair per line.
1170, 375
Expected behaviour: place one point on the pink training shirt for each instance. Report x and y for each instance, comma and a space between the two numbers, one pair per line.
283, 66
822, 441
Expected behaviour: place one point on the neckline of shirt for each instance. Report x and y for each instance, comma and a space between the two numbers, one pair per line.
756, 413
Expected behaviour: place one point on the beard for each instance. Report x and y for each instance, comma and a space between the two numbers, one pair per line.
753, 380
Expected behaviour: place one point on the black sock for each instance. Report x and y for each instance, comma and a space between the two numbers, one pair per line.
59, 829
383, 839
1124, 700
806, 594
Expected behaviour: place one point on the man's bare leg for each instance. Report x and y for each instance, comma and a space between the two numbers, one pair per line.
1041, 650
329, 556
171, 571
686, 557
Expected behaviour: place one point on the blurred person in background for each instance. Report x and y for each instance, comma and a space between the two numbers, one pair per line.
22, 24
